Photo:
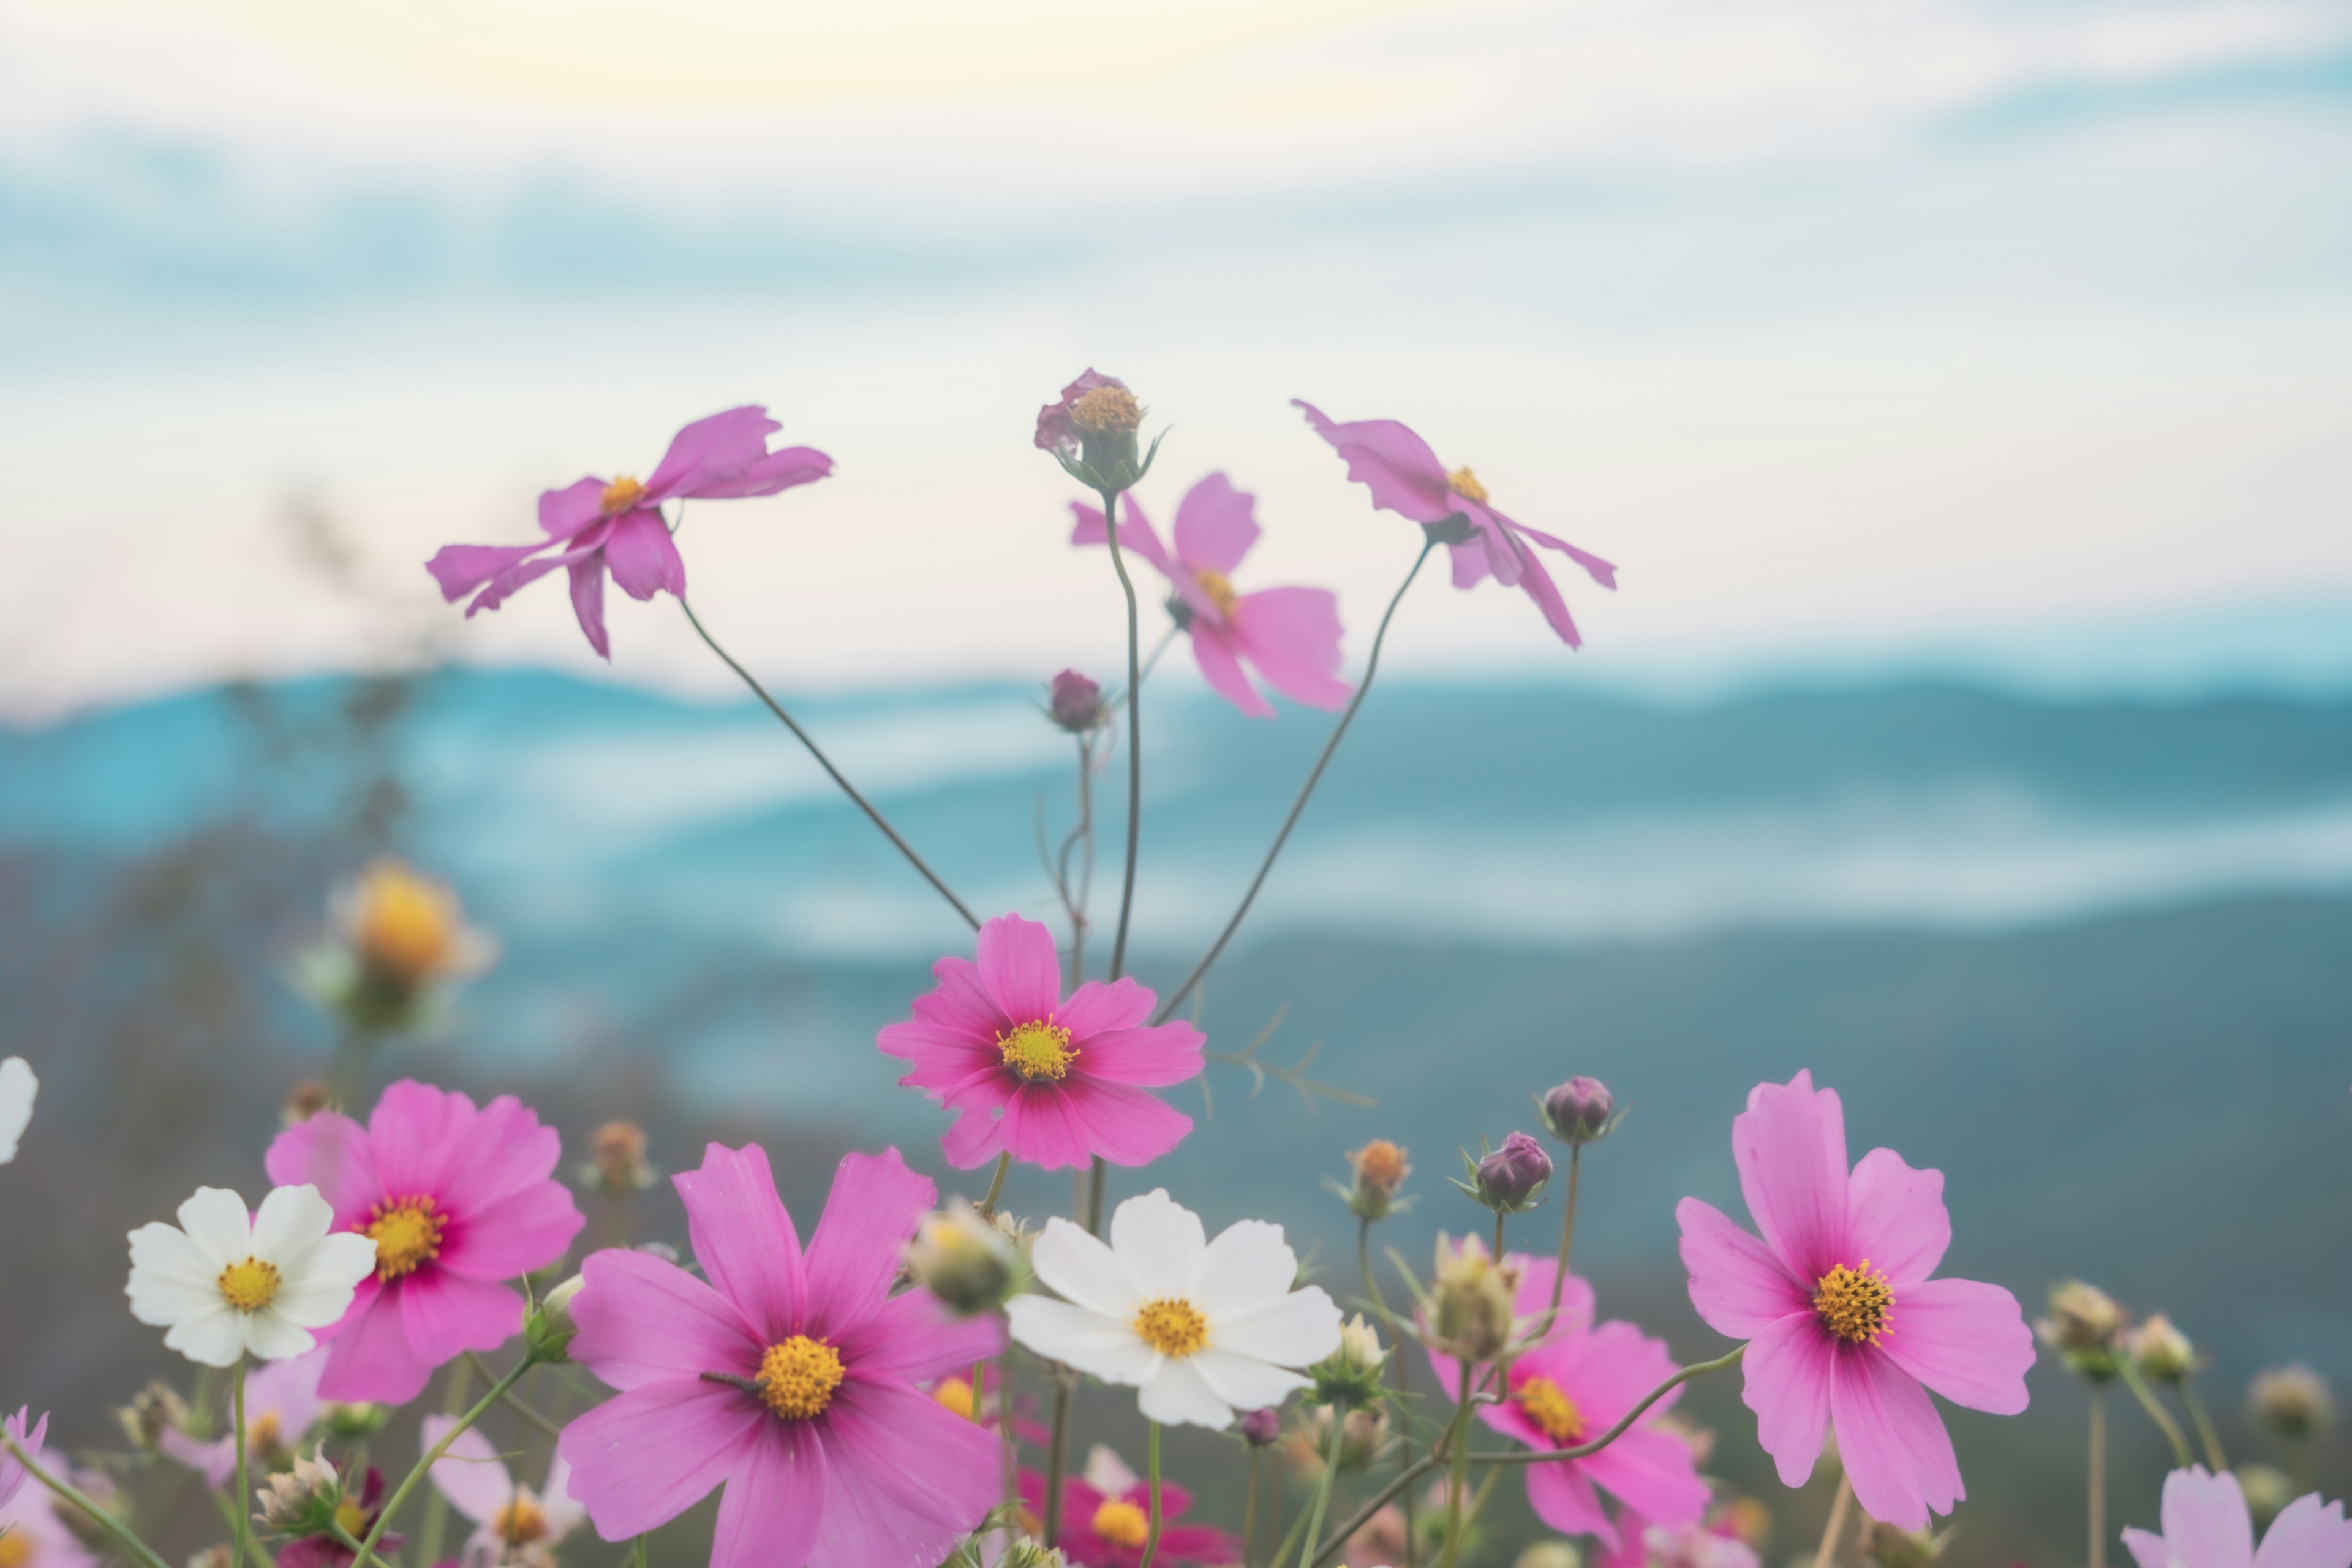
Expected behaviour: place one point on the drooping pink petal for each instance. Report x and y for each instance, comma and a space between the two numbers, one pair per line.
2206, 1522
642, 1458
1563, 1497
854, 1255
1469, 563
1790, 1147
447, 1314
1020, 968
1507, 557
587, 545
774, 1511
914, 1337
565, 513
1893, 1443
1095, 1007
643, 557
781, 469
1737, 1284
743, 1238
1536, 581
1789, 1368
1895, 1216
1292, 636
1214, 524
881, 1509
588, 602
711, 451
1135, 535
459, 569
1651, 1471
1151, 1057
1600, 571
1966, 1340
331, 1151
1125, 1125
641, 1319
1386, 458
1221, 667
2307, 1535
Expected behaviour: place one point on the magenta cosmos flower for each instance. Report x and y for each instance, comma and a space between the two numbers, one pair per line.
458, 1201
2206, 1525
1290, 636
1405, 478
1843, 1324
1056, 1082
1108, 1527
595, 524
792, 1378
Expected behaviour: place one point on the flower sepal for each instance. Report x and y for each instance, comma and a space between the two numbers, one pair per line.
1454, 528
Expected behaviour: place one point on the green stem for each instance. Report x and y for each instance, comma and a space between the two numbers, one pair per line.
456, 1388
1372, 668
1097, 1175
2160, 1414
1400, 1361
1323, 1484
1826, 1552
2205, 1431
360, 1553
995, 1185
1498, 1236
832, 773
464, 1423
1134, 733
1058, 1459
1249, 1514
1532, 1456
1459, 1447
641, 1550
1151, 1467
1567, 1232
228, 1512
106, 1521
237, 1411
2098, 1477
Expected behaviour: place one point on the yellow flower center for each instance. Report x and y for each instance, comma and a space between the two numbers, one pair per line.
1215, 584
1464, 483
1038, 1052
408, 1235
1106, 408
797, 1378
1854, 1303
1382, 1164
1541, 1402
265, 1431
621, 495
1173, 1326
1121, 1524
408, 926
16, 1548
519, 1521
249, 1285
955, 1395
352, 1518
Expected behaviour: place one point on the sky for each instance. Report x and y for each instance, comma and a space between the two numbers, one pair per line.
1863, 337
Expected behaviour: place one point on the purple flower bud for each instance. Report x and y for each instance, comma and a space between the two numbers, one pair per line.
1077, 704
1578, 1111
1512, 1178
1262, 1427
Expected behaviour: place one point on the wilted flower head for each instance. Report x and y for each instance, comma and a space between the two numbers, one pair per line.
1380, 1169
1891, 1546
2293, 1401
2160, 1352
152, 1411
1510, 1180
1263, 1427
1470, 1300
1580, 1111
2083, 1326
1093, 427
1077, 703
616, 1160
965, 1260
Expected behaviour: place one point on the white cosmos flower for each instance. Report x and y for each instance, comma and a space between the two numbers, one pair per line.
18, 1086
225, 1282
1202, 1328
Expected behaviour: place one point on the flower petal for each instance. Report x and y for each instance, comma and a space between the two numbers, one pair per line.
743, 1238
1651, 1471
1737, 1284
1096, 1008
1160, 1241
1788, 1367
1300, 1330
642, 556
775, 1509
1563, 1497
331, 1152
1385, 456
588, 601
289, 1221
1215, 524
1150, 1058
1021, 969
641, 1319
1134, 534
565, 513
1178, 1395
1292, 636
1221, 667
781, 469
1893, 1443
642, 1458
711, 451
445, 1314
1789, 1146
1080, 1337
1966, 1340
17, 1088
169, 1278
1249, 1265
316, 1285
2206, 1523
914, 1337
1895, 1216
1083, 1267
217, 1223
854, 1255
469, 1473
1245, 1381
2307, 1534
1124, 1125
880, 1509
214, 1337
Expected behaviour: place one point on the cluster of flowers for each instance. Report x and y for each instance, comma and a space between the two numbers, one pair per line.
850, 1398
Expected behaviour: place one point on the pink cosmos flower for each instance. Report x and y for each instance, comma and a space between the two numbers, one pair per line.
2206, 1525
1843, 1323
1291, 636
1059, 430
281, 1405
1108, 1527
595, 524
1056, 1082
792, 1378
29, 1519
1405, 478
458, 1201
11, 1470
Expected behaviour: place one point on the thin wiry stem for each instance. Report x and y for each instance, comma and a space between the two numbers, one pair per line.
2098, 1477
236, 1407
2160, 1414
2205, 1430
1826, 1551
1323, 1485
1151, 1540
104, 1518
1134, 734
463, 1424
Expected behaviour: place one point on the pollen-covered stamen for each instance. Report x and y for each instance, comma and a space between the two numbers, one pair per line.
520, 1522
351, 1517
1106, 408
620, 495
408, 1235
1464, 483
1540, 1399
1040, 1052
1220, 590
954, 1393
1854, 1303
1121, 1524
1173, 1326
797, 1377
249, 1286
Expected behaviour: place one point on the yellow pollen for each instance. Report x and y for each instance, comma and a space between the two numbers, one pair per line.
351, 1517
1464, 483
797, 1378
1219, 591
955, 1395
1173, 1326
408, 926
1854, 1303
1541, 1402
265, 1431
620, 495
1106, 408
407, 1234
519, 1521
16, 1548
1121, 1524
249, 1285
1038, 1052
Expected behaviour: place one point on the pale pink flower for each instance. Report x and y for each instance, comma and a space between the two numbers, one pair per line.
2206, 1525
1289, 636
1055, 1081
281, 1405
13, 1473
1406, 478
1843, 1323
596, 524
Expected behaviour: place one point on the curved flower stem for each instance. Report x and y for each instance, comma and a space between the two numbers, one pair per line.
1457, 1442
105, 1520
464, 1423
1307, 1553
996, 1185
1249, 1513
2160, 1414
546, 1424
1058, 1459
1379, 1500
1151, 1468
1314, 776
1826, 1551
237, 1409
1533, 1456
2098, 1477
2205, 1432
834, 773
1134, 734
360, 1553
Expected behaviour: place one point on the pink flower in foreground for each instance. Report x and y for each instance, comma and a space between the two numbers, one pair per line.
1291, 636
1405, 478
29, 1521
595, 524
281, 1405
1843, 1323
2206, 1525
458, 1201
831, 1453
1056, 1082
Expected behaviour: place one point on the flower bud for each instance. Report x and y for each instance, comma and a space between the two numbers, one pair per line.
1470, 1301
2084, 1327
1359, 1346
1549, 1555
1892, 1546
152, 1411
1351, 1375
1380, 1169
2267, 1490
1262, 1428
550, 1328
303, 1500
1510, 1180
1580, 1111
1362, 1433
350, 1420
616, 1160
2293, 1402
2159, 1353
304, 1100
1077, 703
965, 1260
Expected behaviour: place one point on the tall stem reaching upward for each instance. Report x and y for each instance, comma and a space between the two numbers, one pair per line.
1134, 733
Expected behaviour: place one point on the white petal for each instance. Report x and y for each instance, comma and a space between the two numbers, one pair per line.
1078, 1266
1159, 1240
1300, 1330
1245, 1381
169, 1275
563, 1513
1076, 1336
315, 1285
1179, 1396
18, 1086
159, 1300
1249, 1265
216, 1221
271, 1337
1107, 1472
290, 1218
216, 1337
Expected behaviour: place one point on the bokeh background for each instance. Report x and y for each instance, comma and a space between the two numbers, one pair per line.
1960, 385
